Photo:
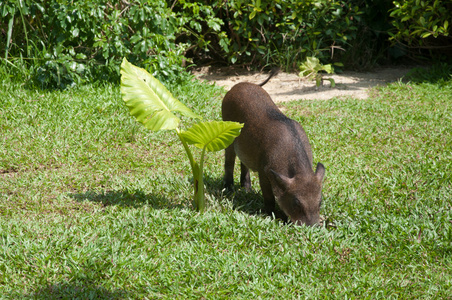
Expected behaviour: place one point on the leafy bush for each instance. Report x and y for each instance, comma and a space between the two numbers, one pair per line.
422, 24
62, 43
372, 45
68, 42
277, 32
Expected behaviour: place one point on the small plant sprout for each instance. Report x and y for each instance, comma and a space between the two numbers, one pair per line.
310, 69
154, 106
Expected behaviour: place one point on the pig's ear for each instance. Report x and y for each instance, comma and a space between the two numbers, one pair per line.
320, 171
282, 181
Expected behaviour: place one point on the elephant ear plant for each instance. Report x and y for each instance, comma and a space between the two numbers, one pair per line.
154, 106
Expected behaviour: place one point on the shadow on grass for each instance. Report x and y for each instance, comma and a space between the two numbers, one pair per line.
85, 283
438, 73
249, 202
77, 290
128, 198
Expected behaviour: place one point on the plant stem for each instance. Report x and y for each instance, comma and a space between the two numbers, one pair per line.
25, 29
8, 37
190, 156
200, 193
198, 182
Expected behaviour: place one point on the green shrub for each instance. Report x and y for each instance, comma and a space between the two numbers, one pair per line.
61, 43
371, 47
277, 32
422, 24
68, 42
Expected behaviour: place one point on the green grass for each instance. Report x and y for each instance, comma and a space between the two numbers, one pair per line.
94, 206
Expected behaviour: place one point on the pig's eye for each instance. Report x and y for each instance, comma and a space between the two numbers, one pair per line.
297, 204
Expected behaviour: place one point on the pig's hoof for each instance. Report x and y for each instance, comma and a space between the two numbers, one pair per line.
228, 188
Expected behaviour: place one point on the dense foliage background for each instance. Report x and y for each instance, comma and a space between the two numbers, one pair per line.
60, 43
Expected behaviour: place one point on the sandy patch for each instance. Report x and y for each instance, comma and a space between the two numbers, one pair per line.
288, 86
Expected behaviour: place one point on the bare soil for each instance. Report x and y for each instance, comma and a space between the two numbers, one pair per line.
288, 86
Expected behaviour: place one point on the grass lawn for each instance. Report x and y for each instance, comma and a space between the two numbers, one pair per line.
93, 206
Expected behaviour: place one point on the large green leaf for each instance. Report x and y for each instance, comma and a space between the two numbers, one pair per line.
149, 101
214, 135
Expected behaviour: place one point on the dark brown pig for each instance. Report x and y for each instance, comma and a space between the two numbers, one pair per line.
278, 149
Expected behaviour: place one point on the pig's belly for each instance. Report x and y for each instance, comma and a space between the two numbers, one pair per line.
248, 157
